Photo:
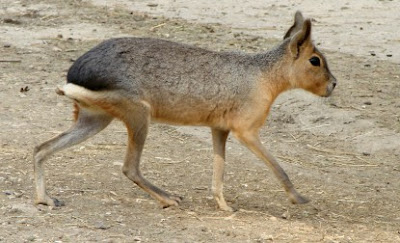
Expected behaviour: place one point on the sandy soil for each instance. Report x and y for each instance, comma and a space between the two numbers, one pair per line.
352, 27
343, 152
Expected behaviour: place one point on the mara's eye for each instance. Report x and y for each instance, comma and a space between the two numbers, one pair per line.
315, 61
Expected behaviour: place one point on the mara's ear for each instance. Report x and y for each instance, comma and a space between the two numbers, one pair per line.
298, 22
301, 38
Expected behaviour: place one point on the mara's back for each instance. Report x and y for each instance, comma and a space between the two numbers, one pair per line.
125, 63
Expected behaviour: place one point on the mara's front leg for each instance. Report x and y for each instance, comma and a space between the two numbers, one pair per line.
252, 142
219, 141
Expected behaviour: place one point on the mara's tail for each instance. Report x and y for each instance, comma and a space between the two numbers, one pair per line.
87, 99
78, 93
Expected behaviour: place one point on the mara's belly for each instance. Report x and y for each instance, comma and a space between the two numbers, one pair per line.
191, 115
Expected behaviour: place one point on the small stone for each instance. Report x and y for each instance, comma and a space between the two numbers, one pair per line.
56, 49
266, 237
286, 215
102, 226
22, 221
15, 211
12, 21
8, 193
24, 89
31, 238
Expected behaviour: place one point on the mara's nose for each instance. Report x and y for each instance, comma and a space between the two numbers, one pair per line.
334, 82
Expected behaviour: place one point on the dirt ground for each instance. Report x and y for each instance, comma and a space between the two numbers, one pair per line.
342, 152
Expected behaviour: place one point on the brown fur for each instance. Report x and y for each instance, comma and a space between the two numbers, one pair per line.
76, 111
141, 80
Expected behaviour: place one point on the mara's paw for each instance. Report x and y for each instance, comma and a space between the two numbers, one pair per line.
226, 208
171, 201
53, 202
297, 199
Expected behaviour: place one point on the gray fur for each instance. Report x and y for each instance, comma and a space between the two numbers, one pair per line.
130, 63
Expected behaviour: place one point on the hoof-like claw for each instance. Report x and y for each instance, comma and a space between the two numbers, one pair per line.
171, 201
226, 208
299, 200
50, 202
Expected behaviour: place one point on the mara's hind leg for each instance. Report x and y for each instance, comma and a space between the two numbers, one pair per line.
137, 122
88, 123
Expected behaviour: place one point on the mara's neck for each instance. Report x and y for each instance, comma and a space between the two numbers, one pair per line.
274, 69
275, 82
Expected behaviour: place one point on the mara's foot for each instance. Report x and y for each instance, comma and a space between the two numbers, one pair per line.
49, 201
171, 201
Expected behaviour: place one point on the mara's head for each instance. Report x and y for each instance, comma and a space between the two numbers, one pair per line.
309, 69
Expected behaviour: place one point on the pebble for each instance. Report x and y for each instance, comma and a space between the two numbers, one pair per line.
57, 49
8, 193
102, 226
267, 237
285, 215
272, 218
15, 211
22, 221
31, 238
12, 21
